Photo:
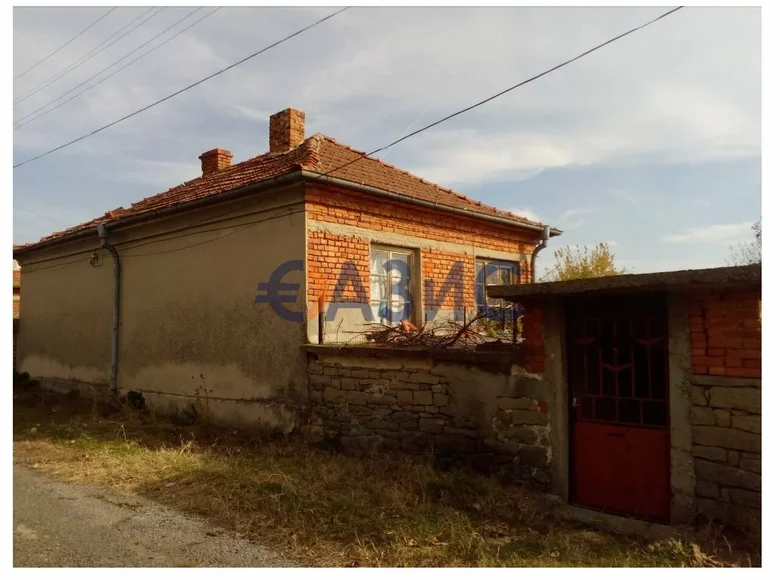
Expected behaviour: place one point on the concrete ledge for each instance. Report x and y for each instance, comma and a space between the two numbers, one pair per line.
719, 381
499, 361
625, 526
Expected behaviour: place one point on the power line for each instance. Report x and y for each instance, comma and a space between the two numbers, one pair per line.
51, 54
180, 91
482, 102
17, 206
505, 91
417, 132
19, 123
89, 56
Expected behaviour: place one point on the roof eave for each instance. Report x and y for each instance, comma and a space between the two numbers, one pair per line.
279, 181
371, 190
728, 276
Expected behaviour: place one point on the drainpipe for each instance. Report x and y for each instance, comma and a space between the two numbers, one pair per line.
537, 249
104, 243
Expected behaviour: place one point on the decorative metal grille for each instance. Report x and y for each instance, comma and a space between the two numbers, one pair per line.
618, 361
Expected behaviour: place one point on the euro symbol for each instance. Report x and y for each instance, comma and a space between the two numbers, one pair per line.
274, 286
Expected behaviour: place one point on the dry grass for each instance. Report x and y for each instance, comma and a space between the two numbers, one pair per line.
324, 508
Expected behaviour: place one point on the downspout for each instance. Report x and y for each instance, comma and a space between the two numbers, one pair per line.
104, 243
537, 249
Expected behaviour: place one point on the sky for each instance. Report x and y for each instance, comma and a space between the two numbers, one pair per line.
651, 144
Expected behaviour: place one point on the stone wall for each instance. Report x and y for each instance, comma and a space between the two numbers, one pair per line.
726, 435
482, 408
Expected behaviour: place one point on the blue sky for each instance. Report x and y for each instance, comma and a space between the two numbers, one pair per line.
652, 144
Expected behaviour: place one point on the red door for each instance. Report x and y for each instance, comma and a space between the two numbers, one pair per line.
617, 351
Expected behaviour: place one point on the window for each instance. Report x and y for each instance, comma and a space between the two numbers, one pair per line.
391, 285
491, 273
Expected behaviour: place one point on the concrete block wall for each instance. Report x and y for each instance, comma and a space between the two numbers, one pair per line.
496, 418
725, 405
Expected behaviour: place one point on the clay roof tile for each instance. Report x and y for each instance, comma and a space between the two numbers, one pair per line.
318, 154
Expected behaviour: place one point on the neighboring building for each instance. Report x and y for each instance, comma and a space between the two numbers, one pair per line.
17, 287
208, 313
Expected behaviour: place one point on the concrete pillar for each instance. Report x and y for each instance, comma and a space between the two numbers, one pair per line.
683, 480
555, 384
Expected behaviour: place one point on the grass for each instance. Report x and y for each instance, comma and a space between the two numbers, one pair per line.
327, 509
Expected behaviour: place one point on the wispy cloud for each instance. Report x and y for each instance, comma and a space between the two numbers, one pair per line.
695, 97
717, 233
527, 214
624, 196
574, 218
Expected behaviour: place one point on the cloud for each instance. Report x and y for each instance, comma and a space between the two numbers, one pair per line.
624, 196
718, 233
527, 214
673, 93
574, 218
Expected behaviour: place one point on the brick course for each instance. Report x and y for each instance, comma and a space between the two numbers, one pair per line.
725, 332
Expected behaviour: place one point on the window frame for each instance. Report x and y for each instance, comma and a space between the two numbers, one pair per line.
412, 262
502, 309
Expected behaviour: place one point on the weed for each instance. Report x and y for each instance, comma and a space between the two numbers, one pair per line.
325, 508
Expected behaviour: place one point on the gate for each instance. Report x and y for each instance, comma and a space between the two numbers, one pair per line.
617, 351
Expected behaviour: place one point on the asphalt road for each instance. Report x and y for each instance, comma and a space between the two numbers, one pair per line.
65, 525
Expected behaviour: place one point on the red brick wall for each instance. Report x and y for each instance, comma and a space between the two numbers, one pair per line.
326, 255
725, 329
437, 266
327, 252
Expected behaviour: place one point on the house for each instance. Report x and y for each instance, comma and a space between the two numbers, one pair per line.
202, 295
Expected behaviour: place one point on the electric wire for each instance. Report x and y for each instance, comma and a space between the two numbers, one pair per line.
448, 117
89, 56
505, 91
180, 91
51, 54
18, 123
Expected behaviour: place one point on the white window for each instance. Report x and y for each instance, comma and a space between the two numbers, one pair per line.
391, 285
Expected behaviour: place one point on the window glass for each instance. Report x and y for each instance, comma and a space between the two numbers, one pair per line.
391, 286
493, 272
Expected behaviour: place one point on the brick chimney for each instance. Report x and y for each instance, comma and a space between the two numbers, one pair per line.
214, 160
286, 130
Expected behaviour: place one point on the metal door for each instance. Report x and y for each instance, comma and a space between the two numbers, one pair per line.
617, 351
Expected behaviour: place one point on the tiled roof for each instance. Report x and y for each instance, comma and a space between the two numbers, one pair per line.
318, 154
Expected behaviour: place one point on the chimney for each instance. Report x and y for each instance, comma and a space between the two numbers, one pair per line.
214, 160
286, 130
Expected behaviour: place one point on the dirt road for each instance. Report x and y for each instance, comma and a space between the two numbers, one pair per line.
65, 525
